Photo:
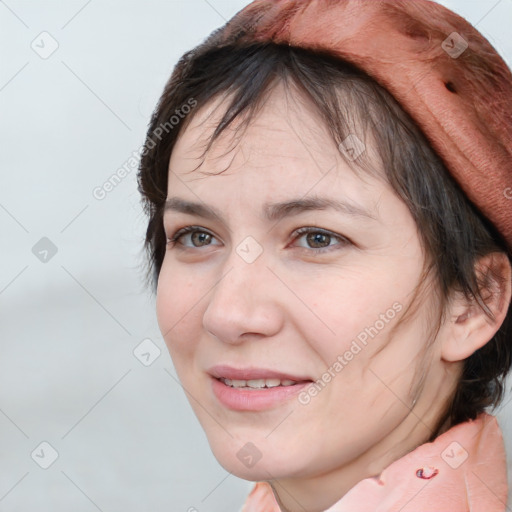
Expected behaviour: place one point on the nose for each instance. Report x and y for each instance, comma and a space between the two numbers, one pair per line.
244, 301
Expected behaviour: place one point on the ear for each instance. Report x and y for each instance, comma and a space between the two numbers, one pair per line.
468, 326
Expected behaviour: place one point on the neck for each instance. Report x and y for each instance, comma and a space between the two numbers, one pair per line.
318, 493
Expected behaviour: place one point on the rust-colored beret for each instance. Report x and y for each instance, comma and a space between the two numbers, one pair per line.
442, 71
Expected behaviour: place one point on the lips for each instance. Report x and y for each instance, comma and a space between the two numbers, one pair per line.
251, 374
254, 389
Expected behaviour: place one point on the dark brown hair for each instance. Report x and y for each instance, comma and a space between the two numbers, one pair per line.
453, 232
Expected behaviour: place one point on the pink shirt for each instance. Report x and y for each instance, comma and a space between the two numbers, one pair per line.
462, 470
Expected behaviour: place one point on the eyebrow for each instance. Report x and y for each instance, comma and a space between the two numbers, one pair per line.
272, 211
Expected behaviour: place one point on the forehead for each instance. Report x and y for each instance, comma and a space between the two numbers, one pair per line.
286, 150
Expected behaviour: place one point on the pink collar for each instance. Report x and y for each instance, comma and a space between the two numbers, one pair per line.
462, 470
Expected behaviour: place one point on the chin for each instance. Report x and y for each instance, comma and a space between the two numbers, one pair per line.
250, 463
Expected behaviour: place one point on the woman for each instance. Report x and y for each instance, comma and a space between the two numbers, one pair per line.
330, 229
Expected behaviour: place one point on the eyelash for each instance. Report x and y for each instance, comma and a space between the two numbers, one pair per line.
297, 234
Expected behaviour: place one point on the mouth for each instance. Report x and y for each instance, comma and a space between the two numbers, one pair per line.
255, 377
254, 389
258, 383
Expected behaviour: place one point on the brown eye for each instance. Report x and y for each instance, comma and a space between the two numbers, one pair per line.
200, 237
192, 237
318, 240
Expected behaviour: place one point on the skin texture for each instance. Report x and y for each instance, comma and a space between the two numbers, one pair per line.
296, 309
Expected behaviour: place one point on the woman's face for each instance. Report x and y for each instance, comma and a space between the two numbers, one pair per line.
246, 298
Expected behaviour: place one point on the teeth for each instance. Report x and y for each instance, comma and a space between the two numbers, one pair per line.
272, 383
258, 383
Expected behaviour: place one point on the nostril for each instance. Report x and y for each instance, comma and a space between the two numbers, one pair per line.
450, 86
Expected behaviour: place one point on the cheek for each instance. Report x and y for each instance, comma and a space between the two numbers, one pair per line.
349, 306
177, 309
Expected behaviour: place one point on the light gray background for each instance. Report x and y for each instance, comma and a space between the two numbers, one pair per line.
124, 432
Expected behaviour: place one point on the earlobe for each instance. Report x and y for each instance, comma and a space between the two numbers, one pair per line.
468, 326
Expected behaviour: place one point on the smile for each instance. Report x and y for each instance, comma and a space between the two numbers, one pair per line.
257, 383
254, 389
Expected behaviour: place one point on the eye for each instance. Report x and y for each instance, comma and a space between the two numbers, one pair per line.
319, 240
198, 237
